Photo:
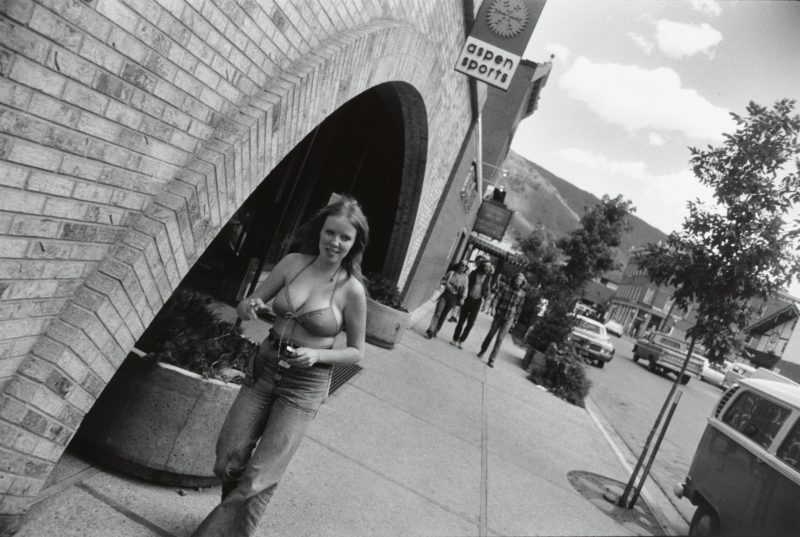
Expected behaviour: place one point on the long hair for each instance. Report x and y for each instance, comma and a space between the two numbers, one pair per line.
306, 238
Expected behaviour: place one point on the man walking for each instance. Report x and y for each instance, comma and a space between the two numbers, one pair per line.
509, 306
455, 290
479, 283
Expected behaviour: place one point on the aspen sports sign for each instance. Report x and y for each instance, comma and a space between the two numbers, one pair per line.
497, 40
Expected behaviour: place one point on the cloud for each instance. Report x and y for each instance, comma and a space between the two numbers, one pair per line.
595, 161
660, 200
638, 98
559, 51
678, 40
707, 7
656, 139
641, 42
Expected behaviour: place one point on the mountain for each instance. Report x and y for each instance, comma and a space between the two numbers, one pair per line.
538, 196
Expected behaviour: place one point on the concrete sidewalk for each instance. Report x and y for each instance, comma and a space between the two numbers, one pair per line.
426, 440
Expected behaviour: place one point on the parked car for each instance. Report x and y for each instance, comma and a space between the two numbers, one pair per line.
745, 475
664, 353
591, 341
736, 372
614, 328
714, 373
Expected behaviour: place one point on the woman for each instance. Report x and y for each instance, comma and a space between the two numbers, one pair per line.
455, 291
317, 293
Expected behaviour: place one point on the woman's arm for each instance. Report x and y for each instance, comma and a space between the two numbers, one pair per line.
265, 292
355, 322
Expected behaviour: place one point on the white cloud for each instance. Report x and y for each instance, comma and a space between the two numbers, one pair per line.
641, 42
678, 40
595, 161
638, 98
559, 51
707, 7
656, 139
660, 200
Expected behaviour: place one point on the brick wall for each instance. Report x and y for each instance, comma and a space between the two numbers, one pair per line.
130, 132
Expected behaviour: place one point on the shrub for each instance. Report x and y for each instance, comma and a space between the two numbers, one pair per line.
187, 334
552, 328
383, 290
564, 375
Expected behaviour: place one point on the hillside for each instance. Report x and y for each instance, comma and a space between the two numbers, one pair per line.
539, 197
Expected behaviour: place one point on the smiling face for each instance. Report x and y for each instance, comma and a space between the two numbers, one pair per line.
336, 238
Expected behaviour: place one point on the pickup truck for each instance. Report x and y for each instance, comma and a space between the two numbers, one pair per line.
666, 354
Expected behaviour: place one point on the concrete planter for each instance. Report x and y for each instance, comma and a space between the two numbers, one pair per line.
158, 422
534, 361
385, 325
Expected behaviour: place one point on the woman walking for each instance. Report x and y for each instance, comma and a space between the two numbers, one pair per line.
318, 292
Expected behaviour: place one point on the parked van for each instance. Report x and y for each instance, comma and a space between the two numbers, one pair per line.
745, 475
736, 372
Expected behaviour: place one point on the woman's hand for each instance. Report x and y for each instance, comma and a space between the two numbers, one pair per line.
248, 308
303, 357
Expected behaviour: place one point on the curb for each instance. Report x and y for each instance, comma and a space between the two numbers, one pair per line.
668, 516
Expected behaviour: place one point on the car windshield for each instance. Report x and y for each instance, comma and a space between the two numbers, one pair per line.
589, 327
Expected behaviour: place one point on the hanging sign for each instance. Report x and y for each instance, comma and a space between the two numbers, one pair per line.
492, 219
498, 38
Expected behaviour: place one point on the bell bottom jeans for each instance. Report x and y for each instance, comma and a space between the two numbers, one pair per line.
466, 318
443, 307
500, 326
261, 433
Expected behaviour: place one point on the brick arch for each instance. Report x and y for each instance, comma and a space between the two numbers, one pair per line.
81, 348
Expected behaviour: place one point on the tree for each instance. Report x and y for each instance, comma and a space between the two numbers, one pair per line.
590, 248
740, 248
587, 252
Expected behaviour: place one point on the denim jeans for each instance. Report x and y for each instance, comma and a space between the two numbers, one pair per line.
466, 318
500, 326
261, 433
443, 307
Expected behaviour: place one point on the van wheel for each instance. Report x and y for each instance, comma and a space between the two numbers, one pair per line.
600, 363
704, 522
685, 379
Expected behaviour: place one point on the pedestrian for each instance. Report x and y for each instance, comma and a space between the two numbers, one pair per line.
478, 284
318, 292
509, 305
455, 291
499, 285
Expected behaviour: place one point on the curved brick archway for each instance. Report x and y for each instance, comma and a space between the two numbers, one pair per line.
80, 349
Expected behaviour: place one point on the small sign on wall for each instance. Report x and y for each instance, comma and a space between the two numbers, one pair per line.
497, 40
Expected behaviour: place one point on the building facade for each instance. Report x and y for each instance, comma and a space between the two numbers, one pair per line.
638, 304
773, 340
137, 134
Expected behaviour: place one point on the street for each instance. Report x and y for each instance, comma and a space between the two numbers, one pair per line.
630, 397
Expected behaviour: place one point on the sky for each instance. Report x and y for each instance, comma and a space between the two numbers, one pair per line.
635, 83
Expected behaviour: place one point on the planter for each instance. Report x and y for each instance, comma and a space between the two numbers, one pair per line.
385, 325
158, 422
534, 361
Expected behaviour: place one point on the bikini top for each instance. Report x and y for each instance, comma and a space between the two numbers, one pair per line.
321, 322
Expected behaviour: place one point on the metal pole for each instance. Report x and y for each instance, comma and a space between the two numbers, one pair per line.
655, 449
623, 500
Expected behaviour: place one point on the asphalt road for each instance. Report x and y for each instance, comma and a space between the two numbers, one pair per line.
630, 397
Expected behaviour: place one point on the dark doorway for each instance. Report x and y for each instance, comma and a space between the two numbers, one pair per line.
360, 149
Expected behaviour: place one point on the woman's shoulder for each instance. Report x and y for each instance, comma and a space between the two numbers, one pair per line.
354, 287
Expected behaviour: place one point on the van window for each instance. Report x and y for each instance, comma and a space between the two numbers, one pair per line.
789, 452
757, 418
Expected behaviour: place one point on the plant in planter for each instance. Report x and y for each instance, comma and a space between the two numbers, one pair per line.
387, 319
159, 416
563, 375
187, 334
